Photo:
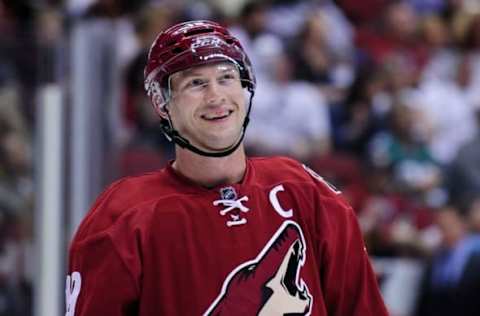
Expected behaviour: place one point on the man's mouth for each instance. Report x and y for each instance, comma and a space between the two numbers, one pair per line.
216, 116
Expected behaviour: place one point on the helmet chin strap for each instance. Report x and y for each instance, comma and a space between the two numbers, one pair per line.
172, 135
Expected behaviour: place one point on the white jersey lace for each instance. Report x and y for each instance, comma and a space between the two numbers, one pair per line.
233, 205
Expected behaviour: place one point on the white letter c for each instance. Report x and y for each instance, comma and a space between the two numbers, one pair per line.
276, 203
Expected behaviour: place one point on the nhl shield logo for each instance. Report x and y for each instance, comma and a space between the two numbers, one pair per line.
228, 193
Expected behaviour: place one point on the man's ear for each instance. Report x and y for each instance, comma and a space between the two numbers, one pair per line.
159, 106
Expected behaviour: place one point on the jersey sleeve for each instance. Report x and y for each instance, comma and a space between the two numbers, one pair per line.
104, 273
348, 281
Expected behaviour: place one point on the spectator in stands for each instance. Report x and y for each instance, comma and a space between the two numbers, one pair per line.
138, 113
402, 150
474, 214
394, 223
298, 107
8, 290
428, 7
471, 47
442, 56
260, 44
451, 283
313, 60
396, 33
446, 108
19, 51
317, 60
370, 100
11, 116
147, 148
362, 13
286, 17
340, 36
363, 113
16, 186
464, 172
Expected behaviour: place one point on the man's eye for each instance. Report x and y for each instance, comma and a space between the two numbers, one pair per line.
195, 83
227, 78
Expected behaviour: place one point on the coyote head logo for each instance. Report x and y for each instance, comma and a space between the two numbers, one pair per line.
270, 284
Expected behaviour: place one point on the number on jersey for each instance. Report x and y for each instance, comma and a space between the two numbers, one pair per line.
322, 180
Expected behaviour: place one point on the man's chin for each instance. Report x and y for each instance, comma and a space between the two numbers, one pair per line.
215, 141
217, 146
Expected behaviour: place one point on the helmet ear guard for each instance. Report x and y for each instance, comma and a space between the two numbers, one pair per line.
158, 96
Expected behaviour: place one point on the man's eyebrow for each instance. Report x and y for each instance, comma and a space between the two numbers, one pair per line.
193, 72
187, 72
228, 67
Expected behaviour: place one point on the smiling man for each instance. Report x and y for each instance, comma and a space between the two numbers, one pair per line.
208, 105
216, 232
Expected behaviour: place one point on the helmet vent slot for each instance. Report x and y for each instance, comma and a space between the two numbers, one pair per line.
177, 50
198, 31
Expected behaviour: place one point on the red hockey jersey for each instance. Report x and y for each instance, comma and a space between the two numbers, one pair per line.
281, 242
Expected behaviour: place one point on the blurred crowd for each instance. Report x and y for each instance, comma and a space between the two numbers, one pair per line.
381, 97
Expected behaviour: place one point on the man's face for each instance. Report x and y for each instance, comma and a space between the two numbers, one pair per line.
208, 105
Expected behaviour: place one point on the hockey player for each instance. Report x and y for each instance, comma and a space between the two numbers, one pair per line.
215, 232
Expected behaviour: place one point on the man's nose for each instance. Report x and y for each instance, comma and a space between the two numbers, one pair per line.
214, 93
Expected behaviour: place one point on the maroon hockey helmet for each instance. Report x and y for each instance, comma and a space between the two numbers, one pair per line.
190, 44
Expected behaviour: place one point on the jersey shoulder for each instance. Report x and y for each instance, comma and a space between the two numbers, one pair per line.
276, 170
130, 193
